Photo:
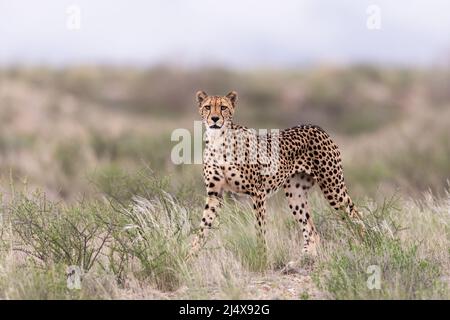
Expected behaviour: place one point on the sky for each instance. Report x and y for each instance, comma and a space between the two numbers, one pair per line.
232, 33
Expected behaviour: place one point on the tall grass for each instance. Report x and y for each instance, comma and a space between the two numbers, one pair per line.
130, 246
410, 266
151, 237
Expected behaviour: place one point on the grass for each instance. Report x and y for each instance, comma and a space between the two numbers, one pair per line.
409, 264
136, 247
240, 238
151, 235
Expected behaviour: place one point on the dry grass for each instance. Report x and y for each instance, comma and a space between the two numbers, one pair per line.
137, 249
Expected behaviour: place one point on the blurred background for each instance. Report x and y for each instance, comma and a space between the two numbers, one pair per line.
91, 90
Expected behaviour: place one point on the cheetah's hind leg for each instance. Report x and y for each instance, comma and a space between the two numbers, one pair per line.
296, 190
338, 198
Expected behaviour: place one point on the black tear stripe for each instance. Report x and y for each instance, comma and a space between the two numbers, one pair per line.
223, 118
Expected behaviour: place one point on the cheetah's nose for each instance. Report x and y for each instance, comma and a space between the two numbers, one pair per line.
215, 118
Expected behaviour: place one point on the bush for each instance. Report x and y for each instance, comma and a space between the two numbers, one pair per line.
140, 231
54, 233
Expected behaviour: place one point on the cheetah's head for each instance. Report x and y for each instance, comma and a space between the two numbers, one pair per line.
216, 110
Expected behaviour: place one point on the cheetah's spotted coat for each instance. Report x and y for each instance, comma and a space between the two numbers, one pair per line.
239, 160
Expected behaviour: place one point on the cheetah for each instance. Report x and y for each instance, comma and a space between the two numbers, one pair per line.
239, 160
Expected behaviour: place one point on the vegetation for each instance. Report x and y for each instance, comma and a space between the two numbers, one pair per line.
138, 247
86, 180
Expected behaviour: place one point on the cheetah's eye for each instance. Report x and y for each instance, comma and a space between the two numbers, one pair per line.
207, 107
223, 108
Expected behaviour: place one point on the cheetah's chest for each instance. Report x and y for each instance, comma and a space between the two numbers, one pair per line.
241, 165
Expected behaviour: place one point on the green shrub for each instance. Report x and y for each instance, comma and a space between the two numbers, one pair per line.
54, 233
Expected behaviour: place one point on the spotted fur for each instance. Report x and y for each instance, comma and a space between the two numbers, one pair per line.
293, 159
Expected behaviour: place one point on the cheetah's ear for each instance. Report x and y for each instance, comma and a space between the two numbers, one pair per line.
233, 96
201, 96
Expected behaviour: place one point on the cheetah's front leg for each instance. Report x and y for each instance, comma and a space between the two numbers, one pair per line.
209, 214
213, 203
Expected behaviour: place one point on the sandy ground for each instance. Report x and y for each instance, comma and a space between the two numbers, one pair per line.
274, 285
